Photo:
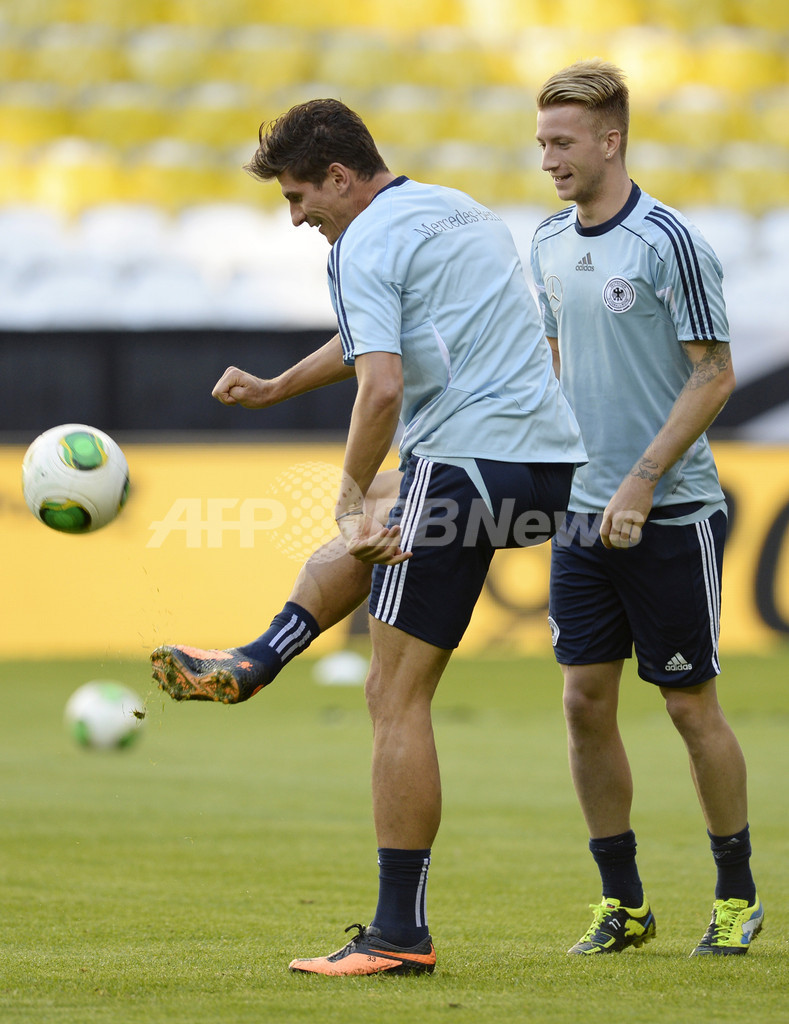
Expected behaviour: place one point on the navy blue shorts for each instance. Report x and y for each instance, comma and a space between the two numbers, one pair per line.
447, 525
661, 597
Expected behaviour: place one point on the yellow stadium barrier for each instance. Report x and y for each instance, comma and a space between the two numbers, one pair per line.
213, 535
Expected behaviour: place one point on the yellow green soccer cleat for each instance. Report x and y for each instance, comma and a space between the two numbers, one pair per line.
615, 927
368, 953
734, 925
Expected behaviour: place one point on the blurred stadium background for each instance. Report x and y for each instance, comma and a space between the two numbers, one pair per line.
138, 260
124, 125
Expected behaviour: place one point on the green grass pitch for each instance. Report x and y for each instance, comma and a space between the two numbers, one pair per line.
173, 882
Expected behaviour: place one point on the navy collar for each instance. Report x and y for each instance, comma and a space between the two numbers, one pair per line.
601, 229
392, 184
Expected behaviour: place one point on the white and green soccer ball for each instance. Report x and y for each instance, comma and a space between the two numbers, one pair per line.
104, 714
75, 478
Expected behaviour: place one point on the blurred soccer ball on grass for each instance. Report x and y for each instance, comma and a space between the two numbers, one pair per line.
342, 668
105, 715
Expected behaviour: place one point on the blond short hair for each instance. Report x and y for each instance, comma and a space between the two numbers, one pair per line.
598, 87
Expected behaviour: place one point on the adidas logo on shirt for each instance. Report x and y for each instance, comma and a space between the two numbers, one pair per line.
585, 263
678, 664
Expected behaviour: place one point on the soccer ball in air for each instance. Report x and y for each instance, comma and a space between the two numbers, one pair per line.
342, 668
104, 714
75, 478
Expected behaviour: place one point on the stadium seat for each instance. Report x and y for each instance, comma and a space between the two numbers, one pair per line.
214, 15
772, 15
481, 171
675, 174
524, 184
498, 117
265, 58
122, 17
360, 60
123, 234
698, 116
31, 232
32, 113
730, 231
408, 16
253, 299
657, 61
772, 238
173, 174
593, 16
523, 220
218, 114
684, 18
541, 50
76, 55
225, 238
61, 293
167, 293
13, 54
72, 175
32, 16
770, 116
414, 116
302, 247
17, 171
170, 56
447, 58
323, 15
416, 15
753, 177
122, 114
738, 62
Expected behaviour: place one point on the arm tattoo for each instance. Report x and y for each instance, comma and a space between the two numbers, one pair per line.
646, 469
714, 361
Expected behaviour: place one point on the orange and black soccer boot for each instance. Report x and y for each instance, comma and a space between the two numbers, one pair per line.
369, 953
189, 673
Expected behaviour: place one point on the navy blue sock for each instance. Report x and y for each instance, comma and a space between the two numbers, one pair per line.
290, 633
401, 913
615, 857
732, 858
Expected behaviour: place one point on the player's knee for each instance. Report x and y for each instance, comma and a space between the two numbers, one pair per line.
383, 704
590, 697
396, 695
690, 711
583, 710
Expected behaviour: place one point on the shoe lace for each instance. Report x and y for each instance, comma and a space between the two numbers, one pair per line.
724, 920
599, 911
360, 934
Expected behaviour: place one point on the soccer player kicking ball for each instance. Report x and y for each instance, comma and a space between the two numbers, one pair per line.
633, 308
437, 322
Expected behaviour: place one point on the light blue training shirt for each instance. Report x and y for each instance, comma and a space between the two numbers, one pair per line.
621, 297
428, 273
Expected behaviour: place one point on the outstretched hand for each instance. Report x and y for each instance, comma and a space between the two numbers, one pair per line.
370, 541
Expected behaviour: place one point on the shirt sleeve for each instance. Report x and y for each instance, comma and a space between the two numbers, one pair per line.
689, 280
368, 305
543, 298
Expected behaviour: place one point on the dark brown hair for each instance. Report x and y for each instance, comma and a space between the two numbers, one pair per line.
310, 137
